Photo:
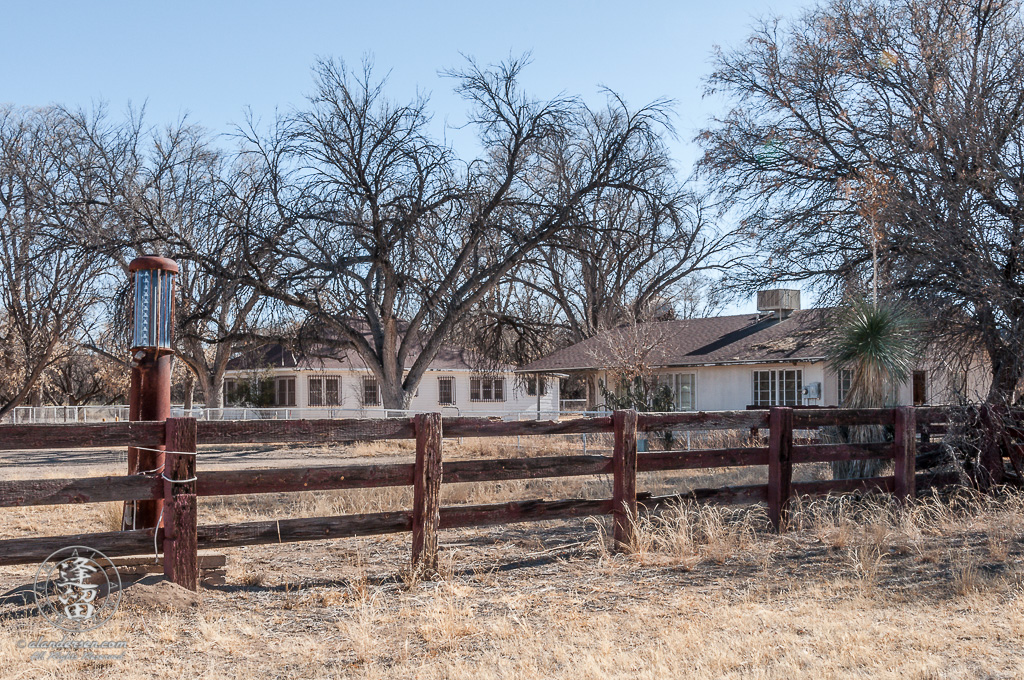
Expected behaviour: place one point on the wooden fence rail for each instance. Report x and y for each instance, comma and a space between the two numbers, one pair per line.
182, 481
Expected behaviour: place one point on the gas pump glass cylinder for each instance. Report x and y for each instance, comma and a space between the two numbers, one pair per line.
153, 317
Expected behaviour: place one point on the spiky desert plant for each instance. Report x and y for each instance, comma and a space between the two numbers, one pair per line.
880, 343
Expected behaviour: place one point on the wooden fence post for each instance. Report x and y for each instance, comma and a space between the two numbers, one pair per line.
780, 467
905, 453
181, 556
624, 511
426, 505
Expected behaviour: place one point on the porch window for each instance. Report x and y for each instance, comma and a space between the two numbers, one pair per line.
684, 390
446, 391
531, 386
487, 389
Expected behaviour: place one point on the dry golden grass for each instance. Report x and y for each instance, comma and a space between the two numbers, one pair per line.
857, 588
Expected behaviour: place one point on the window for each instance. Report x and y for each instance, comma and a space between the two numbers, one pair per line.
487, 389
684, 389
790, 388
285, 392
371, 391
920, 388
231, 396
446, 390
332, 390
531, 386
765, 388
778, 388
324, 390
845, 380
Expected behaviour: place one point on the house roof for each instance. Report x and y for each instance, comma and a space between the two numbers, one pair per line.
739, 339
279, 356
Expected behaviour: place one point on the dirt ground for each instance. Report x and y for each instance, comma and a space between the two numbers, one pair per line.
858, 588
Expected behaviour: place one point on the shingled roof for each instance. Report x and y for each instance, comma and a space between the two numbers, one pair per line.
740, 339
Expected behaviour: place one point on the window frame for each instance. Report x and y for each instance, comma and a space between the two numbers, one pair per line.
450, 380
776, 382
487, 389
675, 382
327, 397
844, 381
531, 386
370, 382
289, 391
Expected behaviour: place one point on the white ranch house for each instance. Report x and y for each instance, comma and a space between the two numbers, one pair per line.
341, 386
776, 357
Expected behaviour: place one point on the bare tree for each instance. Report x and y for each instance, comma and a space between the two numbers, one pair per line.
47, 290
634, 257
151, 183
924, 98
387, 240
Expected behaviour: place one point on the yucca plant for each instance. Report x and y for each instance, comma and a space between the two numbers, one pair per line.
880, 344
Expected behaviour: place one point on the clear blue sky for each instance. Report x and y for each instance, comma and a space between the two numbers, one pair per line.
213, 59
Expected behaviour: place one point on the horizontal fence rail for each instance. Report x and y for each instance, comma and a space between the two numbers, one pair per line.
182, 483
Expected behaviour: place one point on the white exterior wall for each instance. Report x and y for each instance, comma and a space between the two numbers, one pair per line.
517, 401
727, 388
731, 388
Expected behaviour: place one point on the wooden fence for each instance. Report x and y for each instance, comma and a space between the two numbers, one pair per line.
180, 483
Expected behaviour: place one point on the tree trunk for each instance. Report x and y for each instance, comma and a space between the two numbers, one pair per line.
215, 390
190, 388
392, 396
1007, 370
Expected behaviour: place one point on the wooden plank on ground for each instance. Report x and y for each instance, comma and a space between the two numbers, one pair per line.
18, 493
311, 431
85, 436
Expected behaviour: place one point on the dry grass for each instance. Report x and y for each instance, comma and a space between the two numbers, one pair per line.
859, 587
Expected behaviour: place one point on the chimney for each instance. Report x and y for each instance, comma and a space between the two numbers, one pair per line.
779, 301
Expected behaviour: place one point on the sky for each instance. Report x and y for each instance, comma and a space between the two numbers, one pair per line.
211, 61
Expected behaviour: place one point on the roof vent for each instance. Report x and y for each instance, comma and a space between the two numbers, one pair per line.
780, 301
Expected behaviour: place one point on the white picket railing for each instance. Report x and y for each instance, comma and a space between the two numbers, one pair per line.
28, 415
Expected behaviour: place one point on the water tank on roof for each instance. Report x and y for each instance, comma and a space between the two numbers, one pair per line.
780, 301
